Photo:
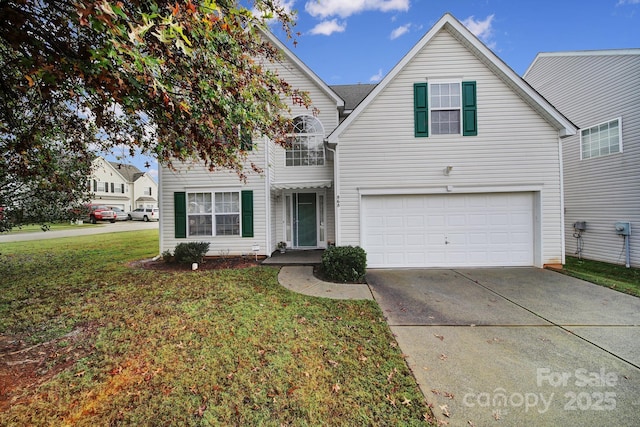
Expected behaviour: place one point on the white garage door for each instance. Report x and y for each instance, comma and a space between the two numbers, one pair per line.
449, 230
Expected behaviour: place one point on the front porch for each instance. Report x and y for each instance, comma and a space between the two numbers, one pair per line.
295, 257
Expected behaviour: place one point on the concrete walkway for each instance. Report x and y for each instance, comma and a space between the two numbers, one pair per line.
301, 279
507, 347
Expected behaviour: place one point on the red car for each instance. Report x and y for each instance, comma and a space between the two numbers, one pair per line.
100, 213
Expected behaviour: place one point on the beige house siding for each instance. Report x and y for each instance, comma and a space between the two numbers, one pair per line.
515, 149
104, 172
591, 88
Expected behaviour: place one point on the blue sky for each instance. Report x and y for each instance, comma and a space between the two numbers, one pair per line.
359, 41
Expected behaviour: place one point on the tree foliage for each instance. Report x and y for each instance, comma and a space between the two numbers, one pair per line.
179, 80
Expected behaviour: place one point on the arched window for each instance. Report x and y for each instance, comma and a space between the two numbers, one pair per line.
306, 145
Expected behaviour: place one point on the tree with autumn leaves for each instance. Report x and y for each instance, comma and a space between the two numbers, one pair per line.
178, 80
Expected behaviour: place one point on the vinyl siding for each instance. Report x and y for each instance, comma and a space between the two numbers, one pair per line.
514, 147
268, 229
194, 178
590, 89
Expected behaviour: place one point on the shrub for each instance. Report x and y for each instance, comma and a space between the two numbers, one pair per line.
167, 256
344, 263
188, 253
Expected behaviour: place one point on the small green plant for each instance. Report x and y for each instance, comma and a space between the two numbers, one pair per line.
344, 263
167, 256
188, 253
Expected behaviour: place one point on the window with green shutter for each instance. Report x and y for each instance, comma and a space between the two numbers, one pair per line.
445, 108
180, 214
469, 109
247, 213
421, 109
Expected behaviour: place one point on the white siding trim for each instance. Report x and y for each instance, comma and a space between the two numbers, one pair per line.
562, 200
450, 189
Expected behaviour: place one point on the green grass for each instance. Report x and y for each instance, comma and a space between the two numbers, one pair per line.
56, 226
613, 276
229, 347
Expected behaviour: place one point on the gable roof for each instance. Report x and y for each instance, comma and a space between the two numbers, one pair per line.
128, 171
491, 60
583, 53
303, 67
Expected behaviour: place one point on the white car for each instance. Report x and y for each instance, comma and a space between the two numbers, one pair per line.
145, 214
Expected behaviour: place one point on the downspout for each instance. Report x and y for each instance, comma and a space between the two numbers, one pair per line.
267, 196
562, 240
336, 192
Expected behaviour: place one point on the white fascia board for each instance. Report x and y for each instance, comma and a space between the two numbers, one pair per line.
564, 126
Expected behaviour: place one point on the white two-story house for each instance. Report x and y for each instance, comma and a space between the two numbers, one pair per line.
451, 160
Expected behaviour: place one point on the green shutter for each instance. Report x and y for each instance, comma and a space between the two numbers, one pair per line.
421, 109
247, 213
180, 214
469, 109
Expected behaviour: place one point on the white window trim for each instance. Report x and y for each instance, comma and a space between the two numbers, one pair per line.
619, 119
432, 82
213, 211
321, 135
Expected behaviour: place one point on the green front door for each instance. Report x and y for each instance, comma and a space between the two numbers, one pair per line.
306, 220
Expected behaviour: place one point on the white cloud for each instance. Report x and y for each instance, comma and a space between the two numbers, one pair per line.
621, 2
377, 76
481, 29
346, 8
326, 28
403, 29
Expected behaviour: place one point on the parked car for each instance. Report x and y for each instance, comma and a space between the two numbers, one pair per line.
120, 214
145, 214
100, 213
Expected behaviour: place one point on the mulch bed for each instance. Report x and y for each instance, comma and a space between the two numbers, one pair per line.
211, 263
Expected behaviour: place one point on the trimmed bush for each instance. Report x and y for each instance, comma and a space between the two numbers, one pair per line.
344, 264
188, 253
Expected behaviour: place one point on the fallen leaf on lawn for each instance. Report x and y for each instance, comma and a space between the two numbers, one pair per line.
440, 337
445, 410
79, 374
392, 401
436, 392
391, 374
471, 423
335, 388
449, 395
201, 410
332, 362
443, 356
496, 415
406, 402
362, 358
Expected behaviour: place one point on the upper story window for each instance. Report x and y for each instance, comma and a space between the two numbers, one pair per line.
306, 146
445, 108
601, 140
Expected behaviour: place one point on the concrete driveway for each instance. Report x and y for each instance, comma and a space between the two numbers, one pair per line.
516, 346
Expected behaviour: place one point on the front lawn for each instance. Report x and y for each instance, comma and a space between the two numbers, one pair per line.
613, 276
86, 339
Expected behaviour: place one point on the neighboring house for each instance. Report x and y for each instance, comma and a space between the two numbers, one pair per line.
599, 91
452, 160
122, 185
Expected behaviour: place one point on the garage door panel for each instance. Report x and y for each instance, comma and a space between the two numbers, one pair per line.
448, 230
